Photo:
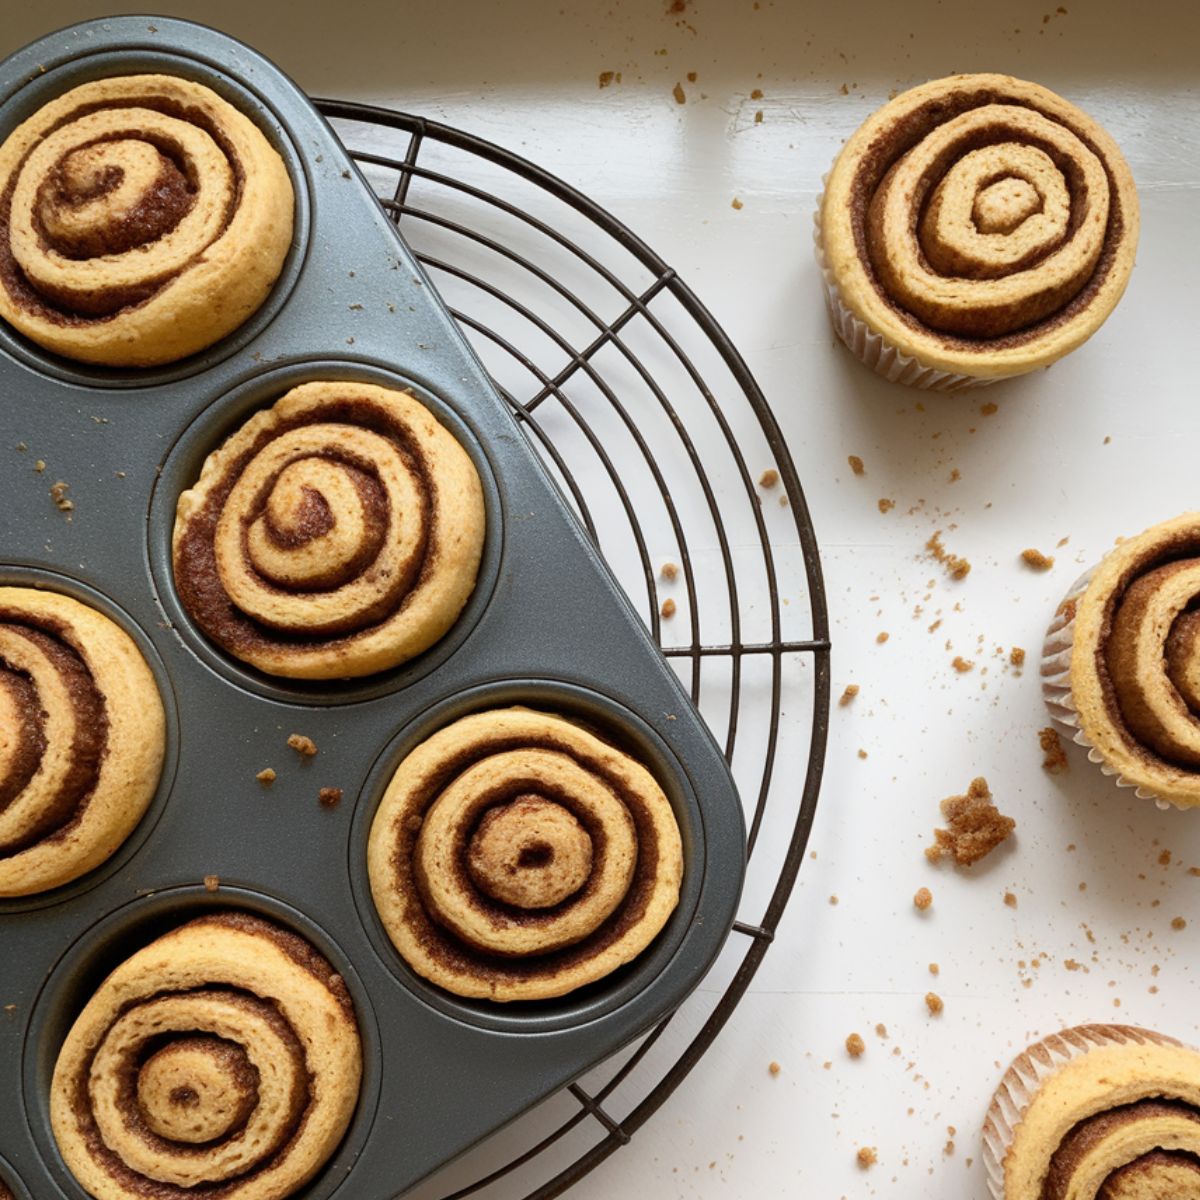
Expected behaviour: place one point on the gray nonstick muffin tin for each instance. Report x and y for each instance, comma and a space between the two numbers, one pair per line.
547, 627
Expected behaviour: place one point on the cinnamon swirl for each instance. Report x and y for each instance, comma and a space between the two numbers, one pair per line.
222, 1060
334, 535
974, 228
517, 856
1099, 1112
82, 735
1121, 664
142, 218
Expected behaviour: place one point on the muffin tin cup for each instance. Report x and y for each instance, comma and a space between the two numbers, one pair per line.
1056, 687
546, 627
1028, 1072
871, 347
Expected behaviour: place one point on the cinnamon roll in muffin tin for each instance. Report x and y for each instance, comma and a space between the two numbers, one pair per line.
540, 662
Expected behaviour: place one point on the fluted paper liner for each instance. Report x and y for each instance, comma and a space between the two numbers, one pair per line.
1029, 1072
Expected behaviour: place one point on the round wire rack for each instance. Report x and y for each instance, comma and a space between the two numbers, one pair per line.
660, 438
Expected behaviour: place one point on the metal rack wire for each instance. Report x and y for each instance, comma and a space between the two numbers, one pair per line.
648, 417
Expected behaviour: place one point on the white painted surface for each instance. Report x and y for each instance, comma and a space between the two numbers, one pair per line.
1038, 470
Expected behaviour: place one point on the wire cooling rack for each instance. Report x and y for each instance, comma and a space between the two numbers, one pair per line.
658, 435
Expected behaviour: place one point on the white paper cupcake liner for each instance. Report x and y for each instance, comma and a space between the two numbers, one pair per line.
1029, 1071
1056, 688
872, 348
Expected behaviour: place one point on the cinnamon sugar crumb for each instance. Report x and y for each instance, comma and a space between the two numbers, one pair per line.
756, 94
851, 691
302, 744
330, 797
774, 1068
867, 1157
934, 969
962, 665
1178, 923
668, 607
856, 464
1054, 757
679, 94
58, 493
988, 409
736, 203
886, 505
882, 637
1037, 560
212, 882
976, 827
956, 566
923, 900
606, 78
1016, 656
1010, 899
266, 775
769, 478
669, 572
934, 1003
855, 1045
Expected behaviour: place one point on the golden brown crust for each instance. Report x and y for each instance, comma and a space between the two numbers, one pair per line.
335, 534
222, 1060
517, 856
981, 224
142, 218
82, 738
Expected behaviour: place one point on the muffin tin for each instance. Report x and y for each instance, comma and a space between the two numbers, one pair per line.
547, 627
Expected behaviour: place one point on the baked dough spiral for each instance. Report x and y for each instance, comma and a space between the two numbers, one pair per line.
517, 856
142, 218
222, 1060
1129, 638
82, 736
335, 534
981, 224
1099, 1112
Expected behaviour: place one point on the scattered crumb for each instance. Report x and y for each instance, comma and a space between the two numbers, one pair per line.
989, 409
330, 797
606, 78
848, 695
679, 94
962, 665
1054, 757
885, 505
833, 900
39, 466
669, 572
855, 1045
881, 1030
1178, 923
956, 566
774, 1068
934, 969
302, 744
862, 753
758, 117
668, 607
867, 1157
923, 900
1016, 656
934, 1003
212, 882
266, 775
756, 94
769, 478
1010, 899
977, 827
882, 637
1037, 560
857, 465
736, 203
58, 493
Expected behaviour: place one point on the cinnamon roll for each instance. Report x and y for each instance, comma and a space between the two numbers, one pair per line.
1099, 1112
1121, 664
82, 736
142, 218
518, 856
5, 1194
336, 534
222, 1060
974, 228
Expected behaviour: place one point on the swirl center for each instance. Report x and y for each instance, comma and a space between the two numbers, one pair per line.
1002, 206
197, 1089
530, 853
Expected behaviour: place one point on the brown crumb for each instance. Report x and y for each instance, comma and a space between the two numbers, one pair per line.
934, 1003
266, 775
302, 744
1016, 656
1010, 899
956, 566
934, 969
886, 505
843, 90
856, 464
1037, 560
862, 753
330, 797
867, 1157
1178, 923
774, 1068
882, 637
691, 77
736, 203
758, 117
848, 695
606, 78
58, 493
40, 465
212, 882
989, 409
679, 94
923, 900
668, 607
948, 1148
669, 572
855, 1045
756, 94
833, 900
769, 478
881, 1030
962, 665
1054, 757
977, 827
